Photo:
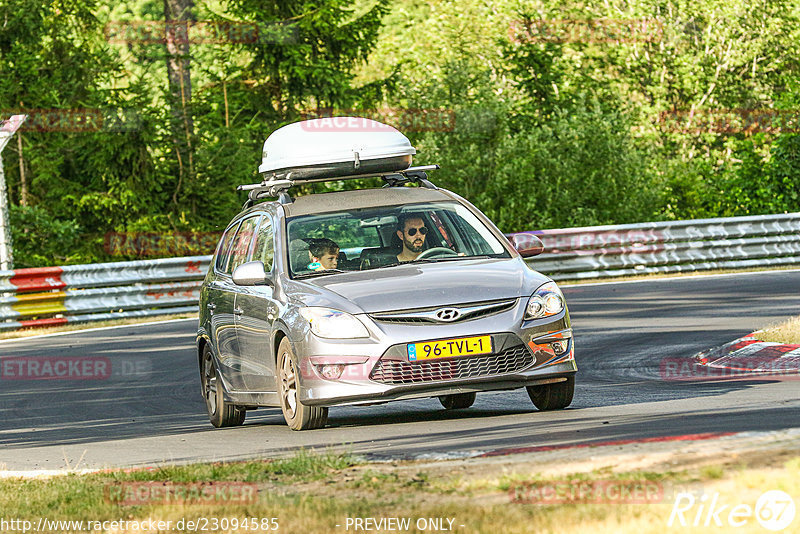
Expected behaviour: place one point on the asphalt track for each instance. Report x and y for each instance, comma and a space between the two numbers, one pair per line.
149, 410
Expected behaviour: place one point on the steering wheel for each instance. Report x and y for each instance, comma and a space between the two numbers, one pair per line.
437, 250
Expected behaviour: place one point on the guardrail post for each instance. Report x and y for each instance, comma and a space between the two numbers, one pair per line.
7, 129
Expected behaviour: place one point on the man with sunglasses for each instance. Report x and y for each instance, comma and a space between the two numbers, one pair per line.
411, 230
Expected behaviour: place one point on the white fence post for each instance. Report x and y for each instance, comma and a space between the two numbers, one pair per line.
7, 129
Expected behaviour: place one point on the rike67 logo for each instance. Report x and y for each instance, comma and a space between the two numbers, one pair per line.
774, 510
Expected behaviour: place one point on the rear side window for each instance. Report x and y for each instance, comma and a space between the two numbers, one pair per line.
224, 250
264, 244
242, 243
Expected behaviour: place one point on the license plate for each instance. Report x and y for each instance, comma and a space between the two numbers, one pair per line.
449, 348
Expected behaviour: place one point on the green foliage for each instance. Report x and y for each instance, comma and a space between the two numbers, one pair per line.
124, 177
760, 185
53, 58
541, 131
543, 159
588, 123
41, 240
579, 167
308, 52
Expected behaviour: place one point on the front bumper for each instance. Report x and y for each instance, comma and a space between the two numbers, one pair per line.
377, 369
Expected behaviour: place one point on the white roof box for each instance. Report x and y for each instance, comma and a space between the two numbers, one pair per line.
325, 148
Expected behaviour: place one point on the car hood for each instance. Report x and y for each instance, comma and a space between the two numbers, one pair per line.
426, 285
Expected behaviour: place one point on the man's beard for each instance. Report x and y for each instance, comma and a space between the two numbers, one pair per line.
414, 248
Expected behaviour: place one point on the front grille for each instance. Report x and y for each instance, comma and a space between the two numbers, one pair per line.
402, 372
428, 315
491, 311
402, 320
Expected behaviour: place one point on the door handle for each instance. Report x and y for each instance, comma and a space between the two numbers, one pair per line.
237, 311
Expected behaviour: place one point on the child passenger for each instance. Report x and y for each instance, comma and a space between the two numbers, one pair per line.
324, 254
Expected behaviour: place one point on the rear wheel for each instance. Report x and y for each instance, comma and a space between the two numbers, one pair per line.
458, 401
220, 413
553, 396
298, 415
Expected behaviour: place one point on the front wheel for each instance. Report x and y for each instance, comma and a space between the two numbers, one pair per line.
553, 396
220, 413
298, 415
457, 401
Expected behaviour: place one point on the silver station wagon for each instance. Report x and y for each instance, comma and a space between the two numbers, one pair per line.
371, 295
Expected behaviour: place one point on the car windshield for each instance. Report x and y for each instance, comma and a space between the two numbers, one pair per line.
376, 238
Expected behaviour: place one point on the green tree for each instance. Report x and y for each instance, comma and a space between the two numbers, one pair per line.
301, 60
56, 66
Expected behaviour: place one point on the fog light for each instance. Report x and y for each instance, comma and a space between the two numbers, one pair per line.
560, 347
331, 371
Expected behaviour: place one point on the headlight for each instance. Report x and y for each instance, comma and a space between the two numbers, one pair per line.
335, 324
545, 301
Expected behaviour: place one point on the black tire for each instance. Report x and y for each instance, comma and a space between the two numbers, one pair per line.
220, 413
458, 401
553, 396
297, 415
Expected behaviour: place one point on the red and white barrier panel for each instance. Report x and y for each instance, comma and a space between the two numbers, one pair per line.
81, 293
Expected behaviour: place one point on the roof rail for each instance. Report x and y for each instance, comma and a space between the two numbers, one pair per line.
279, 187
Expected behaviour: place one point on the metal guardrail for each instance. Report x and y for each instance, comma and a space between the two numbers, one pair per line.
51, 296
83, 293
669, 247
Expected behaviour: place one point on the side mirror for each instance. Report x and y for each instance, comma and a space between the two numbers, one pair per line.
251, 274
528, 245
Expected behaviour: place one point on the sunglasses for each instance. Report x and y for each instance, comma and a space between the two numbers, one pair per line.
413, 231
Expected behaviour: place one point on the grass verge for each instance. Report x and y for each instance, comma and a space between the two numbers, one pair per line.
785, 332
320, 493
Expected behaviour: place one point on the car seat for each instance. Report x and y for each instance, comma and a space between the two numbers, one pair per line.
298, 256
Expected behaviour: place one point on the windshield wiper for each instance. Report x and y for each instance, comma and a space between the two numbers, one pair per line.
430, 260
395, 264
449, 258
318, 273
